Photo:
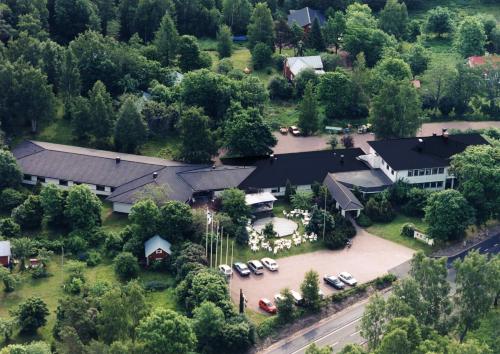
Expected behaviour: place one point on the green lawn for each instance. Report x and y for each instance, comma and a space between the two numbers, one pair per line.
392, 231
112, 221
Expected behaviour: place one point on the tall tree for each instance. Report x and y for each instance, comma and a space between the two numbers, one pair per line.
83, 208
478, 179
208, 325
148, 16
448, 214
237, 14
471, 38
396, 110
336, 93
130, 130
107, 12
224, 42
69, 80
72, 17
472, 305
310, 291
394, 18
246, 133
197, 141
10, 173
333, 30
314, 38
308, 111
373, 322
439, 21
167, 332
261, 27
190, 55
166, 40
32, 314
102, 116
283, 33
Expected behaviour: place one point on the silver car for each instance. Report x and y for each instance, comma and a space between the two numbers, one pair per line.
348, 278
270, 264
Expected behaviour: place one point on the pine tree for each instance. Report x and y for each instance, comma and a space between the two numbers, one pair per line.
101, 113
308, 117
166, 40
261, 26
224, 42
315, 37
69, 80
130, 129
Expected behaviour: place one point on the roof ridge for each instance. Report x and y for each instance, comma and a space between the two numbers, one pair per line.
133, 180
35, 152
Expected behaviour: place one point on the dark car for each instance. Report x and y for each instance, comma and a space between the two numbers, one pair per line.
332, 280
242, 269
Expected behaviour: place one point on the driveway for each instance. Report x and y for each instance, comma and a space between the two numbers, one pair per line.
289, 143
369, 257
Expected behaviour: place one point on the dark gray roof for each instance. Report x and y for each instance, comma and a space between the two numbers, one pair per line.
223, 177
431, 151
369, 181
305, 17
342, 195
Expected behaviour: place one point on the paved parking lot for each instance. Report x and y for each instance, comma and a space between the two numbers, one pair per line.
369, 257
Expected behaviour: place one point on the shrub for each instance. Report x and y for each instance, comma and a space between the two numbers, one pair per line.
93, 259
155, 285
303, 78
113, 244
10, 198
76, 242
126, 266
40, 272
280, 88
225, 66
279, 61
344, 227
261, 56
331, 61
29, 214
416, 202
407, 230
9, 229
379, 209
267, 327
384, 281
363, 220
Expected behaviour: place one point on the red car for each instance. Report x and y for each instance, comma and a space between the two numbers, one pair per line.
267, 306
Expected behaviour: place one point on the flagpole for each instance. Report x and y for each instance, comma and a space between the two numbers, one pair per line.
206, 236
227, 248
216, 244
211, 243
221, 245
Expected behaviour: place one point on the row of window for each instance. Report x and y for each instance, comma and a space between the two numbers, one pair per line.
438, 184
63, 182
426, 172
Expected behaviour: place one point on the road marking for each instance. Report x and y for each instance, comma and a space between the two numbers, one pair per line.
328, 335
334, 344
353, 334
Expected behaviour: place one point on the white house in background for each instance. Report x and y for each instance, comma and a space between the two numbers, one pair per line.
421, 161
294, 65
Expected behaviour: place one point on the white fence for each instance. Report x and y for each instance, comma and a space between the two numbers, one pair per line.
423, 237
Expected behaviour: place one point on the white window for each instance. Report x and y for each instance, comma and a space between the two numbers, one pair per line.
410, 173
159, 251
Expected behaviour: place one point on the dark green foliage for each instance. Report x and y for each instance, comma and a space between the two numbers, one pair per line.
130, 128
166, 40
9, 228
261, 55
72, 17
10, 198
260, 29
394, 18
336, 92
286, 308
189, 253
268, 230
439, 21
308, 112
176, 220
10, 176
233, 204
126, 266
379, 208
314, 38
363, 220
83, 208
471, 37
29, 214
93, 258
290, 190
53, 201
190, 56
280, 88
246, 133
310, 291
448, 214
331, 61
224, 42
407, 230
418, 57
303, 78
198, 17
31, 315
344, 227
113, 244
238, 334
416, 202
445, 105
241, 235
197, 141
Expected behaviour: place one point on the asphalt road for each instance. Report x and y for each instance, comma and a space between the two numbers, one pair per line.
343, 328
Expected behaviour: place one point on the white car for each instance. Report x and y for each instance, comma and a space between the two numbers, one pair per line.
299, 300
270, 264
348, 278
226, 270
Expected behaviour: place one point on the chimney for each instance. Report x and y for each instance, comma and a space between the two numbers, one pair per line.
213, 167
420, 145
434, 134
341, 159
118, 159
155, 175
445, 135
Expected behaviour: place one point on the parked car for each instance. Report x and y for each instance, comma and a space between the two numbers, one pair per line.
299, 300
267, 306
269, 263
284, 130
321, 294
256, 267
332, 280
348, 279
294, 130
278, 297
226, 270
242, 269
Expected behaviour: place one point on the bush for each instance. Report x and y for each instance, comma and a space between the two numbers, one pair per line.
10, 198
379, 209
331, 61
261, 56
280, 88
416, 202
93, 259
303, 78
363, 220
407, 230
384, 281
9, 229
225, 66
40, 272
76, 242
126, 266
29, 214
344, 227
279, 61
341, 296
155, 285
113, 244
267, 327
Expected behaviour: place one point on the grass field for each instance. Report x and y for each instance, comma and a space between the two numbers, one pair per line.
392, 231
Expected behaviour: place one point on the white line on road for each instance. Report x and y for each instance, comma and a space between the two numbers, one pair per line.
334, 344
328, 335
353, 334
